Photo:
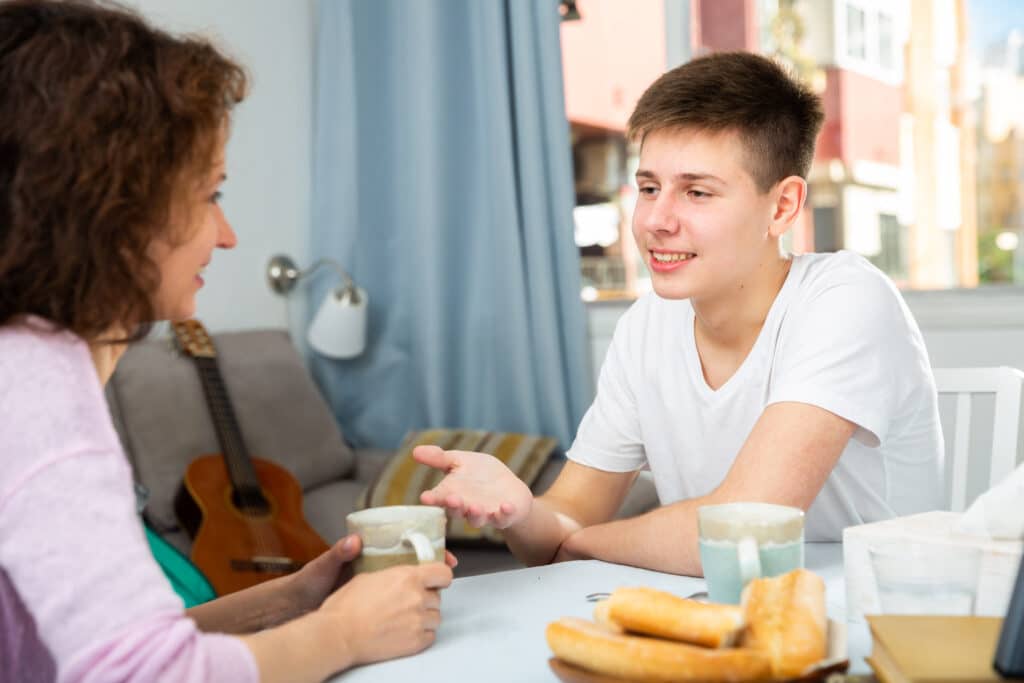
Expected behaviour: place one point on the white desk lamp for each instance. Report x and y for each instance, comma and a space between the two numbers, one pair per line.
339, 328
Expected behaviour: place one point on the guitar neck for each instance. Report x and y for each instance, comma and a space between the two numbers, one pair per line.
236, 455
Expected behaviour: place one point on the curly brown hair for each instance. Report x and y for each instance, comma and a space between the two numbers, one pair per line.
104, 121
776, 117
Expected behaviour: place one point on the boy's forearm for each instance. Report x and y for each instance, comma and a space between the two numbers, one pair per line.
536, 540
664, 540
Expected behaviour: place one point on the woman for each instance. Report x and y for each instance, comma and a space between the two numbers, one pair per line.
112, 142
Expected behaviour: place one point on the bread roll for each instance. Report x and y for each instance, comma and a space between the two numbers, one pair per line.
603, 617
786, 620
657, 613
594, 647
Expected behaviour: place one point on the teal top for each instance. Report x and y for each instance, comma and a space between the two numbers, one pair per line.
185, 577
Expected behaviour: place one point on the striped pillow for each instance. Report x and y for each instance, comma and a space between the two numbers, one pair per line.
403, 479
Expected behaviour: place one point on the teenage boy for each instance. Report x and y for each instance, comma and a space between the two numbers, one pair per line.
748, 374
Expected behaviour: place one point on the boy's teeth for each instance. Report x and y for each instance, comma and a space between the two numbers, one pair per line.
670, 258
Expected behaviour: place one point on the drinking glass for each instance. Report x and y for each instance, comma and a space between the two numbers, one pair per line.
925, 578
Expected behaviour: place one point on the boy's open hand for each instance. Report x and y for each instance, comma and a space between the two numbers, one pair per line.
478, 487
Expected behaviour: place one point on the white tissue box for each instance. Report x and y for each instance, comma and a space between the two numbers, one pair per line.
999, 560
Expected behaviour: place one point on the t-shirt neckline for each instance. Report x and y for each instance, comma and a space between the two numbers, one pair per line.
777, 308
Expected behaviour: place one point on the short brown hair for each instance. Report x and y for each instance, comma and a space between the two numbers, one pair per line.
102, 120
776, 117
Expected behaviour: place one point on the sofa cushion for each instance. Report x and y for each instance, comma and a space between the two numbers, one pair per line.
161, 414
403, 479
326, 506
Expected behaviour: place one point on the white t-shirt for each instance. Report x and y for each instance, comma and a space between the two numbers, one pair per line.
838, 336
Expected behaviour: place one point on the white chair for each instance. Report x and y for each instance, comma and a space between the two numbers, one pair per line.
1005, 383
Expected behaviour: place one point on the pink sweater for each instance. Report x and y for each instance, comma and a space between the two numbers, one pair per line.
81, 598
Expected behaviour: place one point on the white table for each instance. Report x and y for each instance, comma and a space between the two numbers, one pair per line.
493, 625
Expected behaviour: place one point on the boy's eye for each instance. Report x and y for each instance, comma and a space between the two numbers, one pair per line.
648, 190
698, 194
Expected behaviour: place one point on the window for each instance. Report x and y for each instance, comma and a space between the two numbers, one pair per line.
855, 42
886, 47
892, 258
920, 169
826, 237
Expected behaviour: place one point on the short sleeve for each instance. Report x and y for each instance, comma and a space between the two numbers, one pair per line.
845, 348
609, 436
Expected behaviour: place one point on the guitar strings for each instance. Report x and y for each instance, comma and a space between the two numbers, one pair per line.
196, 343
241, 469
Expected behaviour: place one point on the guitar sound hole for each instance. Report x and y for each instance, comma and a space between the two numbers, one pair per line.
250, 503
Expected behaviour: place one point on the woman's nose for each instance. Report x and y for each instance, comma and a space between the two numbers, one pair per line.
226, 237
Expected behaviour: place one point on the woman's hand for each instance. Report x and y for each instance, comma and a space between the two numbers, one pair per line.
389, 613
478, 487
379, 615
311, 585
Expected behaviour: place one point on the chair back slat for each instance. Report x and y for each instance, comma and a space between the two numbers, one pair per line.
961, 446
1007, 426
1005, 384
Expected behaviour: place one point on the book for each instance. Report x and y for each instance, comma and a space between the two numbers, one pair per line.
933, 649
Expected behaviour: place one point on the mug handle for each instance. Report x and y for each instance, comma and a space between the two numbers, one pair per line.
421, 544
749, 559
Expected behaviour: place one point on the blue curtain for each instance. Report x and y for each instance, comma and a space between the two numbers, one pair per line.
443, 182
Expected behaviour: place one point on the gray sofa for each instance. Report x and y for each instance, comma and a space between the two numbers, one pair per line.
158, 407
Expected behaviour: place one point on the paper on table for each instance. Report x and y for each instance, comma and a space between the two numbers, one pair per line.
997, 513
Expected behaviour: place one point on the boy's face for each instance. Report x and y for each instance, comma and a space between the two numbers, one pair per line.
700, 221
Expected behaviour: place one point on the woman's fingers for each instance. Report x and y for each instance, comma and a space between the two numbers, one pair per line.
432, 619
450, 559
435, 575
431, 599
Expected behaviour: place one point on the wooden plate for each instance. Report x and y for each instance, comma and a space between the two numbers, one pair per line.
836, 663
571, 674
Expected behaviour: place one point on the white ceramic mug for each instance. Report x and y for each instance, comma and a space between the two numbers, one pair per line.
398, 534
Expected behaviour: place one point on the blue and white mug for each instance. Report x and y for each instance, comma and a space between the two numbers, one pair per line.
740, 542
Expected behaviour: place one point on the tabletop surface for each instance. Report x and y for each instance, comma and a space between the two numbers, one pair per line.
492, 625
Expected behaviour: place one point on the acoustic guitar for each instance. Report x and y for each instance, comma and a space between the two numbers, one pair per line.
244, 514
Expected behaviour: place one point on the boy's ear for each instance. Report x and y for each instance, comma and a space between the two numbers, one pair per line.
790, 195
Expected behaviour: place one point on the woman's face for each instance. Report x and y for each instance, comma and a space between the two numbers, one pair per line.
199, 218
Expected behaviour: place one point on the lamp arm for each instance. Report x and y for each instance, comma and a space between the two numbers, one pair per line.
283, 274
349, 284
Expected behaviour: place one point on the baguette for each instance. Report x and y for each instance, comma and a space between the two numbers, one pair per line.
602, 650
657, 613
602, 615
786, 620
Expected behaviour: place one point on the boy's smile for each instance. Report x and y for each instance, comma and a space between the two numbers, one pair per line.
667, 261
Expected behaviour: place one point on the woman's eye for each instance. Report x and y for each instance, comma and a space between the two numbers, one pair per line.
215, 197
